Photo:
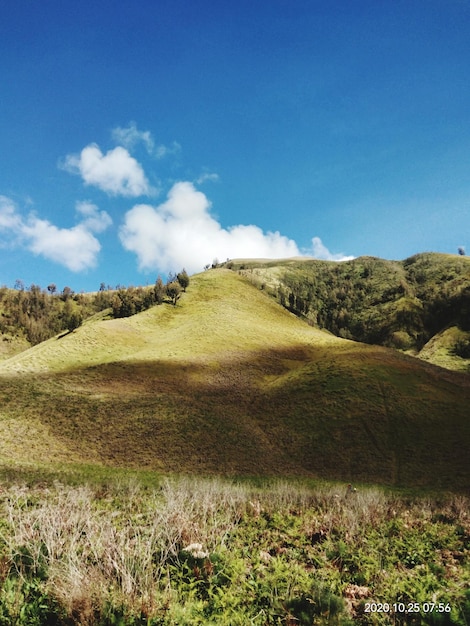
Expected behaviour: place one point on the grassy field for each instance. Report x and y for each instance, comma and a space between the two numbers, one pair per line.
179, 467
210, 551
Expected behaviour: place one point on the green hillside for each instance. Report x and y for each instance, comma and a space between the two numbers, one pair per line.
409, 305
228, 382
420, 306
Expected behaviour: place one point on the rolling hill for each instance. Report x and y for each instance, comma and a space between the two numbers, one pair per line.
420, 305
228, 382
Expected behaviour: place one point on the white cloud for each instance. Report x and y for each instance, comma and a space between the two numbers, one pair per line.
76, 248
95, 221
320, 251
131, 136
9, 220
181, 232
116, 172
163, 151
207, 176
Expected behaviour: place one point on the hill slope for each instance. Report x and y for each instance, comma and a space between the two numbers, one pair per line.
401, 304
229, 382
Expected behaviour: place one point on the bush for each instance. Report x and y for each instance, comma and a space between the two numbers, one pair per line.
462, 348
183, 279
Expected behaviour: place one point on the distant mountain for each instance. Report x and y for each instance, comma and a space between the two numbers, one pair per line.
229, 382
420, 305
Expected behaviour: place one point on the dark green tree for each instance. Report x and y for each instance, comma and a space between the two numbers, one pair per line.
116, 304
66, 293
74, 321
183, 279
173, 291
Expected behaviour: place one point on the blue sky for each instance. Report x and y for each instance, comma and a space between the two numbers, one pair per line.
139, 138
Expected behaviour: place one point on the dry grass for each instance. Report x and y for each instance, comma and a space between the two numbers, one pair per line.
93, 542
126, 546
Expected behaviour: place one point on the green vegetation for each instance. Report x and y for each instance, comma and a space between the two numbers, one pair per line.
30, 316
229, 383
223, 382
407, 305
400, 304
207, 551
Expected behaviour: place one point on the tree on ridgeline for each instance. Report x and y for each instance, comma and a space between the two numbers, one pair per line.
124, 303
159, 290
173, 291
183, 279
66, 293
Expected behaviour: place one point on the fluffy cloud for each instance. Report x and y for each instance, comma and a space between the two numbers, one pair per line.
93, 220
9, 220
320, 251
77, 248
131, 136
182, 233
116, 172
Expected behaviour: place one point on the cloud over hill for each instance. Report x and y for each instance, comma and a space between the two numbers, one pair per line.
182, 232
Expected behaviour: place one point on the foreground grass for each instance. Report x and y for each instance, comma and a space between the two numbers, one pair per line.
210, 551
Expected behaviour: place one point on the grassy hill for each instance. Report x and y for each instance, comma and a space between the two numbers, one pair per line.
409, 305
228, 382
420, 306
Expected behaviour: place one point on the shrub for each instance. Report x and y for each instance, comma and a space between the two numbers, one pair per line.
173, 291
462, 348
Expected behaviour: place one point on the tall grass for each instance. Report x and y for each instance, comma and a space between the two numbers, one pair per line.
213, 551
88, 543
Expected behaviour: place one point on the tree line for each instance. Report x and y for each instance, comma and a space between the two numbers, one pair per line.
131, 300
38, 314
400, 304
